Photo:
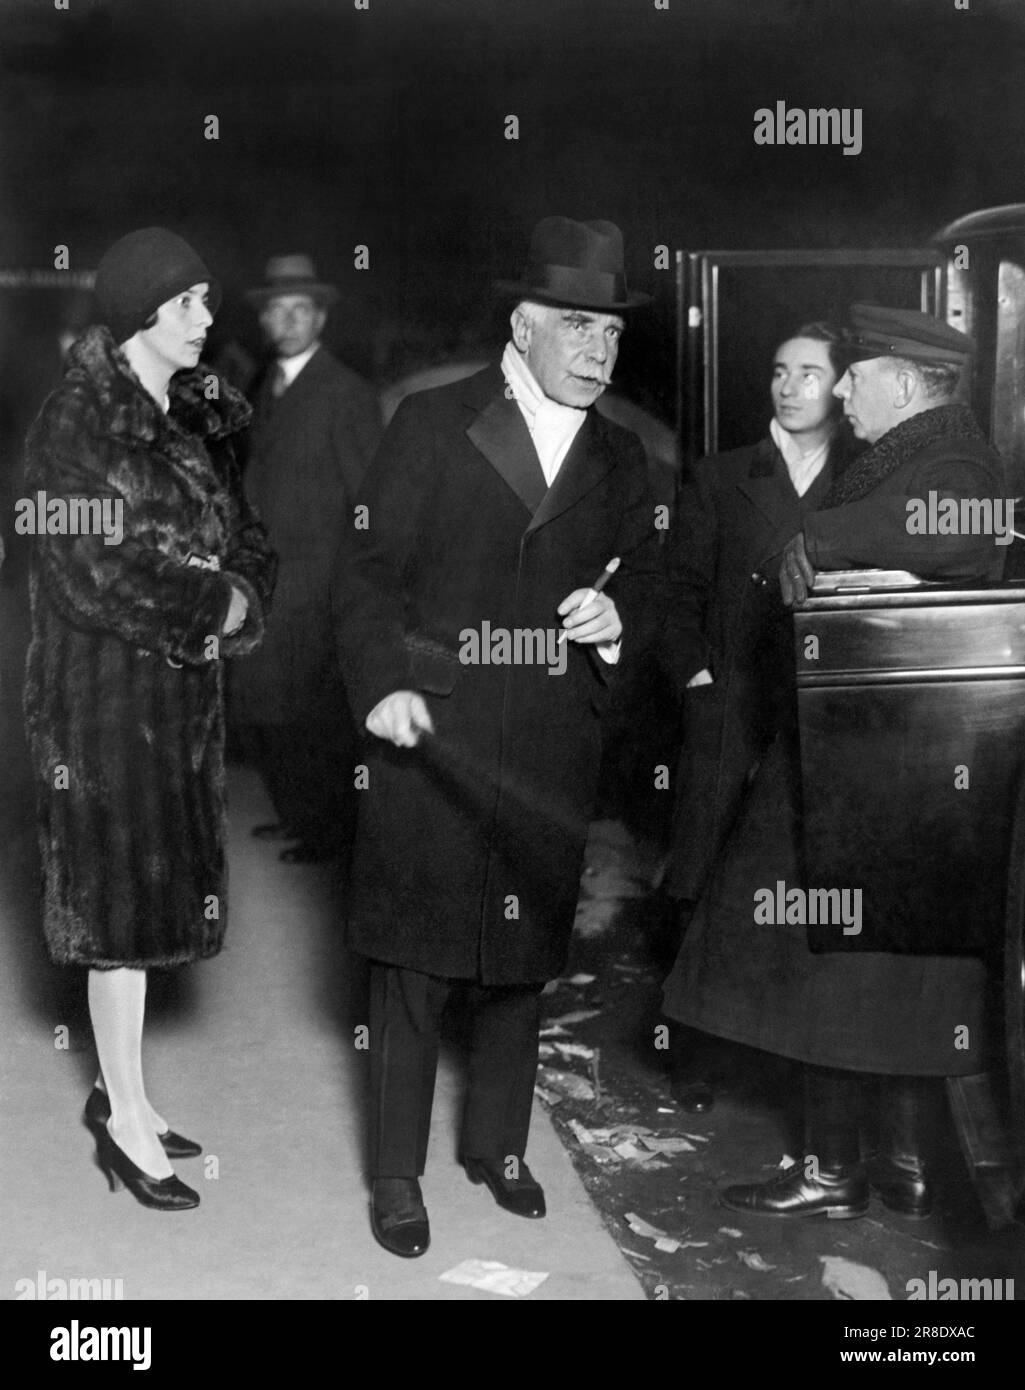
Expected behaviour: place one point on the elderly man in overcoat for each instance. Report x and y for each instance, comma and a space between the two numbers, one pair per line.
891, 1014
492, 508
316, 428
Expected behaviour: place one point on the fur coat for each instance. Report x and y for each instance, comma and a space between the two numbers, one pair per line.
124, 678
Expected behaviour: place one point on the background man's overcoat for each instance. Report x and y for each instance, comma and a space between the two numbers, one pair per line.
761, 985
469, 847
309, 452
123, 692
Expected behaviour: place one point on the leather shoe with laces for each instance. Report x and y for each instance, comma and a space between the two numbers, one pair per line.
398, 1216
522, 1195
835, 1192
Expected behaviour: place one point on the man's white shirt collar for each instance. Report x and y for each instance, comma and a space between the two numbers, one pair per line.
292, 366
803, 468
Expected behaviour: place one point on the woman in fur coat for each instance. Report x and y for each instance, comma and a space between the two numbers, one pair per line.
148, 570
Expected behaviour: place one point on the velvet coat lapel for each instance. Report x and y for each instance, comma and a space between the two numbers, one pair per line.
500, 433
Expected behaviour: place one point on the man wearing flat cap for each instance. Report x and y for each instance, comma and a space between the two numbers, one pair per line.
492, 509
871, 1019
898, 393
316, 428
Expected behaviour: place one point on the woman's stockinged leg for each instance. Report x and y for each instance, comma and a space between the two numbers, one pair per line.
117, 1007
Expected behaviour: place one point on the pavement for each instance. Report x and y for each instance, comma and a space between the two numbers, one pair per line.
254, 1053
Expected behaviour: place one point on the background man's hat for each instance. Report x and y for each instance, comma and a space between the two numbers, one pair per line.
879, 332
295, 274
575, 263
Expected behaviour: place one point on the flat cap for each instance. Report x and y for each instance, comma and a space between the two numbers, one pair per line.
876, 331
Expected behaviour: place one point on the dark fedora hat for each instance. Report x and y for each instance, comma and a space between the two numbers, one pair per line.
575, 263
293, 274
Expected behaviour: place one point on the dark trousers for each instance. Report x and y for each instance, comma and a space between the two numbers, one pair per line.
308, 772
405, 1018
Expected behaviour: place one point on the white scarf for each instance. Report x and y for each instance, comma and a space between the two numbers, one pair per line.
553, 427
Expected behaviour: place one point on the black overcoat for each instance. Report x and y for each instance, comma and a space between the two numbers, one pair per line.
123, 689
309, 451
733, 517
761, 985
469, 847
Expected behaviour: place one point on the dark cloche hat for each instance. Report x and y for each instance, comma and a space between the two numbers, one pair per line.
879, 332
292, 274
576, 263
142, 271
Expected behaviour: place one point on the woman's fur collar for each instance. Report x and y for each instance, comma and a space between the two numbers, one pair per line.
128, 409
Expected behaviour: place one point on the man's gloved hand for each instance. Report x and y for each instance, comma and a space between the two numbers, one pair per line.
796, 575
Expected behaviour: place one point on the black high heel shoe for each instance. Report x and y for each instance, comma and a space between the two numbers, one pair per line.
162, 1194
97, 1113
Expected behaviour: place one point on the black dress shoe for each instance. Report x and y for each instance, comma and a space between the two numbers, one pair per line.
839, 1193
97, 1113
274, 830
522, 1195
901, 1184
398, 1216
305, 852
693, 1096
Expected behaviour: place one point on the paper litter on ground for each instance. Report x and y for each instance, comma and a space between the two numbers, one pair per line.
494, 1277
565, 1083
754, 1261
670, 1144
641, 1227
845, 1279
572, 1049
576, 1016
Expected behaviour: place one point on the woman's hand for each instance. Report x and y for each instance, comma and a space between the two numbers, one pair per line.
238, 608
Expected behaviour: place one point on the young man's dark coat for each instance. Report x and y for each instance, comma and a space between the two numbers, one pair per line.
734, 516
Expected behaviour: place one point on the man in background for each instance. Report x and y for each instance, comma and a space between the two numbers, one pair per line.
316, 427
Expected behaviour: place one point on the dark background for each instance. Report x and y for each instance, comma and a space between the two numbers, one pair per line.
385, 127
